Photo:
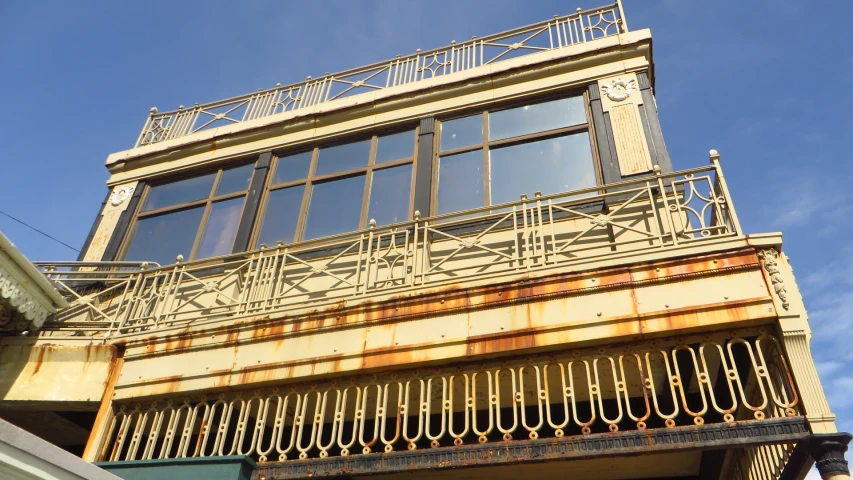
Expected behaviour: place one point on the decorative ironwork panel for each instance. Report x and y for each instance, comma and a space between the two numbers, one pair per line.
580, 27
716, 378
665, 211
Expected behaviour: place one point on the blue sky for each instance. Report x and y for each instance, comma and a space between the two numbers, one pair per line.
767, 83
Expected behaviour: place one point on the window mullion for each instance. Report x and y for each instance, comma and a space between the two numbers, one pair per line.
306, 196
201, 228
368, 182
486, 174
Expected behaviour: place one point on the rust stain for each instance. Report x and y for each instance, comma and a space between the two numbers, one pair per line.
494, 343
40, 359
172, 383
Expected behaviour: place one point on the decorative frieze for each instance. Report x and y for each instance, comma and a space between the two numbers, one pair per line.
12, 292
771, 265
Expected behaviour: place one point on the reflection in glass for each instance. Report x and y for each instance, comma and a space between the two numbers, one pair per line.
281, 216
460, 182
182, 191
162, 238
292, 167
235, 179
335, 207
540, 117
389, 195
462, 132
395, 147
221, 227
549, 166
343, 157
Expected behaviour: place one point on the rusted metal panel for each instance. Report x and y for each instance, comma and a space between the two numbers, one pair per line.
72, 376
742, 434
447, 325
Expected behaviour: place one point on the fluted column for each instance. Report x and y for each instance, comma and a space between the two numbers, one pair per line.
796, 336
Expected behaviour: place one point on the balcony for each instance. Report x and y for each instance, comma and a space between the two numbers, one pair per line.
571, 231
730, 390
559, 32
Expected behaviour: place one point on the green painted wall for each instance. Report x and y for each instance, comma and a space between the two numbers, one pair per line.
237, 467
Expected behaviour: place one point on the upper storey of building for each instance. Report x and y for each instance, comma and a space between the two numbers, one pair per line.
526, 153
554, 107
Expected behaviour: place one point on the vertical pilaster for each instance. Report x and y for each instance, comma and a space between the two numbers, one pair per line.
94, 446
114, 222
796, 336
423, 173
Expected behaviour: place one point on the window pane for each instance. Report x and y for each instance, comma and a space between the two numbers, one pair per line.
235, 179
549, 166
162, 238
540, 117
343, 157
395, 147
462, 132
221, 227
335, 207
182, 191
389, 195
281, 216
292, 167
460, 182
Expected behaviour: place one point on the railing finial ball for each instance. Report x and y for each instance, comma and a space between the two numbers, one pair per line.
372, 223
143, 266
417, 214
656, 169
153, 111
179, 259
715, 155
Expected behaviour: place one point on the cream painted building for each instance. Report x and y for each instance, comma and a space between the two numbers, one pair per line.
476, 261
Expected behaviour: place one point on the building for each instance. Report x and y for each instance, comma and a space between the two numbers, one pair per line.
476, 261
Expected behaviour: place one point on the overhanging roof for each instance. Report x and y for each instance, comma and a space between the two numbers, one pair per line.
24, 289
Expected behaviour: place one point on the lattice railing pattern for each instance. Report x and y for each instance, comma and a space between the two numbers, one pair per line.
714, 378
663, 211
580, 27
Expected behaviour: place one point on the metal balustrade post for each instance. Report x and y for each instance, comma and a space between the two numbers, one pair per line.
715, 161
623, 22
666, 208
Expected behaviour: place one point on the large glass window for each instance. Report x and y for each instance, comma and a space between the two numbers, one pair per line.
495, 157
339, 188
196, 217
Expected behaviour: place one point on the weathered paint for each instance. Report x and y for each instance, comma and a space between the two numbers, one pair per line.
73, 376
452, 324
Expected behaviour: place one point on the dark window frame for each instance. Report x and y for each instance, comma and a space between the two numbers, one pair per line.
486, 144
312, 179
207, 203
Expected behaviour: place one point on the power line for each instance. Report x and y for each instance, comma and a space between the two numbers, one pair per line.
39, 231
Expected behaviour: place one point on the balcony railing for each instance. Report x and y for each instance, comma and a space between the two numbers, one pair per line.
718, 378
579, 228
580, 27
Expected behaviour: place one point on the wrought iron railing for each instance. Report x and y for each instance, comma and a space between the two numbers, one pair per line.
663, 211
561, 31
715, 378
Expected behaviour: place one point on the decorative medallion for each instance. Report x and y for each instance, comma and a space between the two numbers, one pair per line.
771, 264
121, 194
619, 89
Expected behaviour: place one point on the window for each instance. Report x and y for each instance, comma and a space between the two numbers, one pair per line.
196, 217
494, 157
339, 188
